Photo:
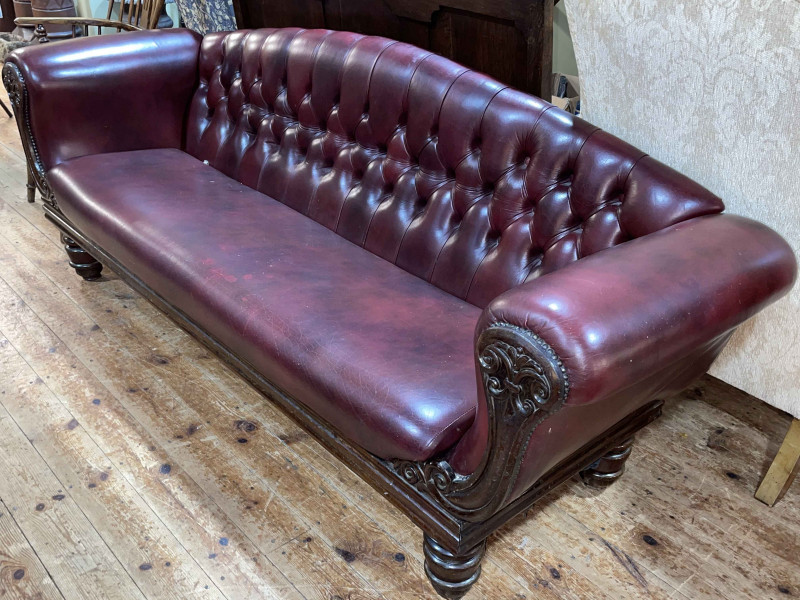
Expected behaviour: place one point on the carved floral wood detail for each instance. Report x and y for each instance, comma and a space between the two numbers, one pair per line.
14, 83
524, 382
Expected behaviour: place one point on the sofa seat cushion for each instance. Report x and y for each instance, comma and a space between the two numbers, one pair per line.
383, 356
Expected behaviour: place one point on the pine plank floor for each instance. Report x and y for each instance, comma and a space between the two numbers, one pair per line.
134, 464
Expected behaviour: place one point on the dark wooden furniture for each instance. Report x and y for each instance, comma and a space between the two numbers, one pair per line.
511, 40
56, 9
359, 227
7, 17
138, 14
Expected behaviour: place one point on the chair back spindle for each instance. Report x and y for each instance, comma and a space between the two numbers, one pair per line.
138, 13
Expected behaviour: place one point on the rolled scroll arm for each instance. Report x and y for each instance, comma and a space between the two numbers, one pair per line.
131, 95
639, 317
523, 382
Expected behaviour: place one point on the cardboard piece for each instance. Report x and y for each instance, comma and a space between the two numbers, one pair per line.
566, 93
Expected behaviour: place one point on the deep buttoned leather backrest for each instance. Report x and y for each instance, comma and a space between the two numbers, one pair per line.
445, 172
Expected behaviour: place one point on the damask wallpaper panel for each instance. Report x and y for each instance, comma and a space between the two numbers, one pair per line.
709, 87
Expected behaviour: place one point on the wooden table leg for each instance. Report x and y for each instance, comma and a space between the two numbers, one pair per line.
779, 475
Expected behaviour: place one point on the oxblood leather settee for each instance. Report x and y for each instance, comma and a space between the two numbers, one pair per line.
465, 293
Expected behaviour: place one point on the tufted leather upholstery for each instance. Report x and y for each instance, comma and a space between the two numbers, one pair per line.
467, 184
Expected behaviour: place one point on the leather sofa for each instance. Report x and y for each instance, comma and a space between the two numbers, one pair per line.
466, 294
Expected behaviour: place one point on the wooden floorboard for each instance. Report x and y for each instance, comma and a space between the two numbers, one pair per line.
133, 464
22, 574
55, 525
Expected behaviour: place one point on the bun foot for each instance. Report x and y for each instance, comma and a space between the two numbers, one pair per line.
452, 575
84, 263
608, 469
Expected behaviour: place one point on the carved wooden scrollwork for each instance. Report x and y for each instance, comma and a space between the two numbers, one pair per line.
523, 382
14, 83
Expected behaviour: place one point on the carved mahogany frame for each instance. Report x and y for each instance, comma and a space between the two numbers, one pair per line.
18, 95
524, 382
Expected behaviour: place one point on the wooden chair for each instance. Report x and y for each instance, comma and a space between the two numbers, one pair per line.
133, 15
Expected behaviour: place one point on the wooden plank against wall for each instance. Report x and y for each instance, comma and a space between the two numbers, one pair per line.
780, 473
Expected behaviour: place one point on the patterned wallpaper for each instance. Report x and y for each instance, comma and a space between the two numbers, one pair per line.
709, 87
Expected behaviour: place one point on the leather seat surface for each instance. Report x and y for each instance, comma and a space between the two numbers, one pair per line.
385, 357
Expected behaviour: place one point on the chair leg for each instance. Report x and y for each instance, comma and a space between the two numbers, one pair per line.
452, 575
31, 187
5, 108
780, 473
609, 468
84, 263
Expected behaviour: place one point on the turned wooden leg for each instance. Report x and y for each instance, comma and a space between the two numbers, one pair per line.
31, 187
84, 263
779, 475
609, 468
452, 575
